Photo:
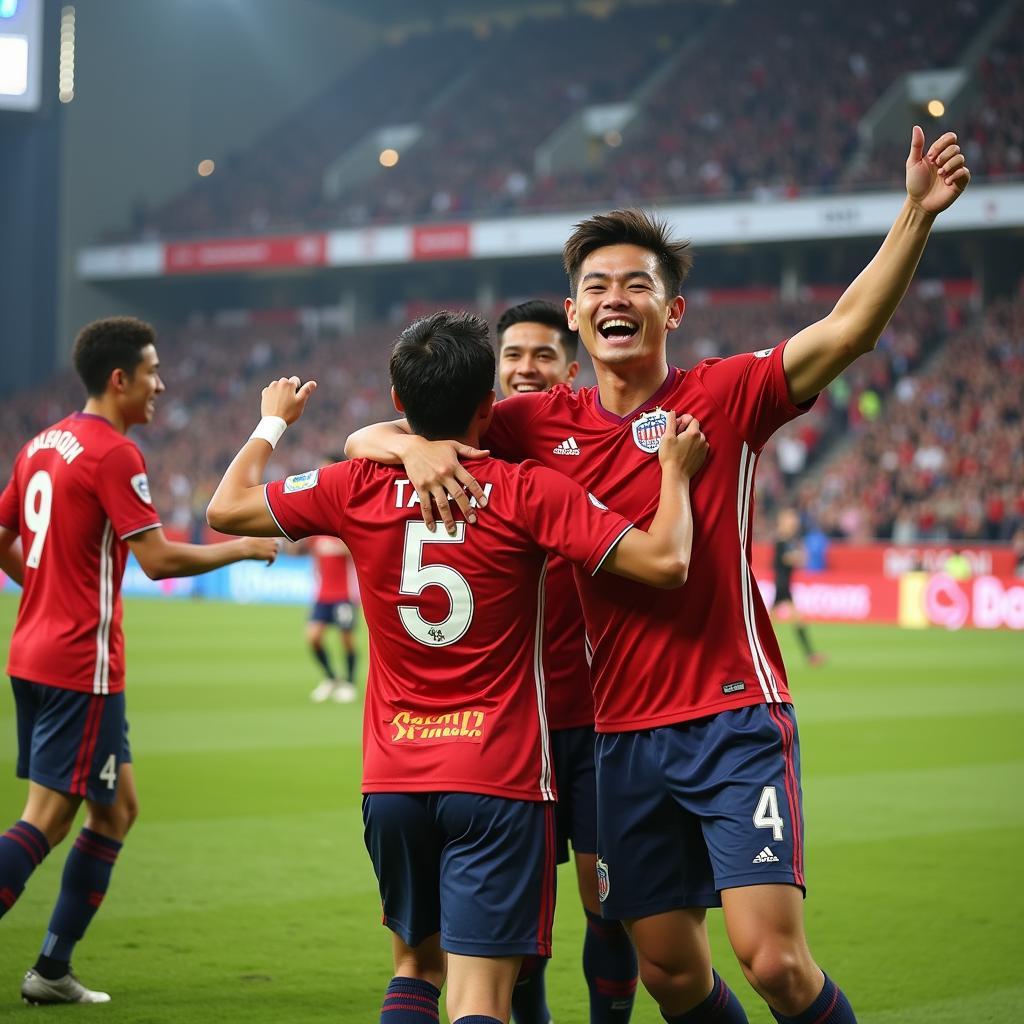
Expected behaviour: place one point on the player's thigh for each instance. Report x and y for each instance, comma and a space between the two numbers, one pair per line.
404, 844
114, 820
674, 943
652, 856
497, 875
765, 917
69, 741
747, 794
426, 961
572, 753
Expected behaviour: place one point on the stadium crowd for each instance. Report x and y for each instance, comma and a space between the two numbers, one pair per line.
914, 436
766, 122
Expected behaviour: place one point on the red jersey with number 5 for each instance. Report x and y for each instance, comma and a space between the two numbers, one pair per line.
455, 699
669, 656
78, 491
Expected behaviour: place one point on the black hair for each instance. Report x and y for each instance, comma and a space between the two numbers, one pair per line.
628, 227
540, 311
442, 368
115, 343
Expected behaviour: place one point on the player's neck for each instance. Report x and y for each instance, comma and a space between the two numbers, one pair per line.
103, 406
625, 388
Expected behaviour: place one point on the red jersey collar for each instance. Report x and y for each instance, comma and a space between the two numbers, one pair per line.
670, 381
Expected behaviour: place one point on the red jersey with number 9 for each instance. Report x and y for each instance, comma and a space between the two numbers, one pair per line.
78, 491
455, 699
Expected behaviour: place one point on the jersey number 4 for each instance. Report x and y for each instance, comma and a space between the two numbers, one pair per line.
767, 814
38, 503
416, 577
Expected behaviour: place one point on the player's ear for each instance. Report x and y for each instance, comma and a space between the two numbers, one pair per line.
676, 309
571, 370
118, 380
570, 313
397, 402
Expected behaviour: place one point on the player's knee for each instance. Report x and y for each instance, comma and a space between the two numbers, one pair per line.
671, 982
776, 971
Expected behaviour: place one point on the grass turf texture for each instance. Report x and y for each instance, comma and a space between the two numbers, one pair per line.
244, 892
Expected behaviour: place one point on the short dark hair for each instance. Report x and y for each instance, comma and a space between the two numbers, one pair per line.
540, 311
628, 227
442, 368
115, 343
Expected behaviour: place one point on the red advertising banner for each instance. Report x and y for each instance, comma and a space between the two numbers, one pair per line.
277, 252
895, 560
440, 241
840, 597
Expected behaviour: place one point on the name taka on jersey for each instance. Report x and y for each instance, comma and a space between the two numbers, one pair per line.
406, 496
648, 429
465, 726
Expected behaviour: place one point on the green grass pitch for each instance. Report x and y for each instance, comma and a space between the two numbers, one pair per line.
244, 892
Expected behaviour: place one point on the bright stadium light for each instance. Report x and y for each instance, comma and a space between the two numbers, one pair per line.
8, 8
936, 108
66, 62
388, 157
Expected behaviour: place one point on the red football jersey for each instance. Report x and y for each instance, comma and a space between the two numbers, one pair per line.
333, 563
570, 700
668, 656
78, 491
455, 699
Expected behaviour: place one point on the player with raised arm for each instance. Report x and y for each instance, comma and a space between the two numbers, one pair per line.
78, 500
457, 774
536, 351
698, 761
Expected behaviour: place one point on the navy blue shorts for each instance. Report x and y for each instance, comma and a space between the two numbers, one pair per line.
685, 811
572, 751
337, 613
478, 869
70, 741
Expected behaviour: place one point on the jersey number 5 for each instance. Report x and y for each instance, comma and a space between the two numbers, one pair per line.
38, 502
416, 577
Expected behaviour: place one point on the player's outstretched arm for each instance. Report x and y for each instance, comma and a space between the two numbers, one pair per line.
661, 556
11, 561
432, 467
238, 505
163, 559
817, 355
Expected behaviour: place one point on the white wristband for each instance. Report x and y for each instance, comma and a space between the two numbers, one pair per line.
269, 429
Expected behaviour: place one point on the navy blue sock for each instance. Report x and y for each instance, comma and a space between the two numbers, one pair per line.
529, 996
320, 653
831, 1007
477, 1018
721, 1007
82, 888
410, 1001
22, 849
609, 965
350, 664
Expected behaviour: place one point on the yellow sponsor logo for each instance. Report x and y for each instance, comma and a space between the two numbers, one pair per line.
411, 727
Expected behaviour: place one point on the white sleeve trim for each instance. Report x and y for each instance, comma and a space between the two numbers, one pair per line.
141, 529
284, 532
611, 548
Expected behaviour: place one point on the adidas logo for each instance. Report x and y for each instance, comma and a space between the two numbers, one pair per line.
765, 857
567, 447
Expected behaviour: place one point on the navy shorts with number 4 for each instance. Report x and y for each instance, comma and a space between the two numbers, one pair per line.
478, 869
685, 811
70, 741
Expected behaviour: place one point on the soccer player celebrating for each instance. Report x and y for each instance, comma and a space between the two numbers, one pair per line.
79, 500
457, 773
788, 554
698, 761
536, 351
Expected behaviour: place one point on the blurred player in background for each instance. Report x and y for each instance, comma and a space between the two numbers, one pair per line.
699, 799
536, 351
78, 500
788, 554
456, 760
336, 606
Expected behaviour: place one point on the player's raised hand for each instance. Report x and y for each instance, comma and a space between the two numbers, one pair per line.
935, 179
683, 445
285, 398
439, 479
262, 549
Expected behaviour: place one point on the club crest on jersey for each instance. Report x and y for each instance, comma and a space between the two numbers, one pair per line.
603, 884
140, 485
301, 481
648, 428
